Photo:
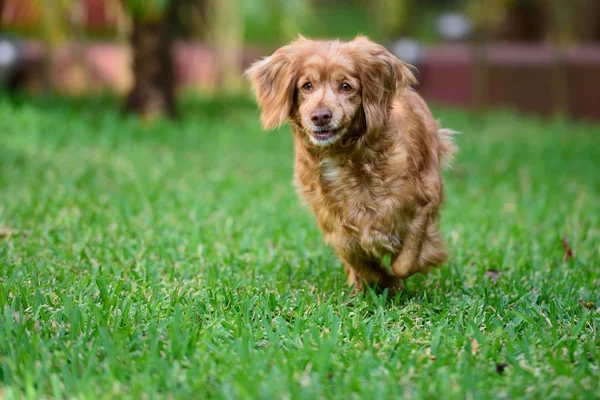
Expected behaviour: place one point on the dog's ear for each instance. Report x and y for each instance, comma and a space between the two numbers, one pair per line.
273, 80
382, 76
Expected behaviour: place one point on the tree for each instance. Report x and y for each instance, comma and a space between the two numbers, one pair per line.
226, 35
55, 27
565, 29
221, 22
226, 28
393, 16
486, 17
152, 40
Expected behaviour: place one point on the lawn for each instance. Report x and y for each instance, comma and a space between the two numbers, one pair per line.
174, 260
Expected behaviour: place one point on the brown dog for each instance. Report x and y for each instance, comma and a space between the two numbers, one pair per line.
368, 152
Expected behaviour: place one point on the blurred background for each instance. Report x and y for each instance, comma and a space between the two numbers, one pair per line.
536, 56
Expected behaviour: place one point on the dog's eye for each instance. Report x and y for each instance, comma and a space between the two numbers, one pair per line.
346, 87
307, 87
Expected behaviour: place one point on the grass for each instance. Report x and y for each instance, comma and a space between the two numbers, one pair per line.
174, 261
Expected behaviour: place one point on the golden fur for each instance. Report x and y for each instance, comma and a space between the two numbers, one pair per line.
370, 171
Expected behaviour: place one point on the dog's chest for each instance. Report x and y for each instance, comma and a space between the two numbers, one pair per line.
353, 203
330, 172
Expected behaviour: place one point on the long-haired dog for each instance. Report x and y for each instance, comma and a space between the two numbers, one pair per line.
368, 153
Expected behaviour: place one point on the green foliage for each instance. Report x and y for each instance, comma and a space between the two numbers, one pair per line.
175, 261
146, 9
284, 18
565, 19
55, 26
486, 15
392, 15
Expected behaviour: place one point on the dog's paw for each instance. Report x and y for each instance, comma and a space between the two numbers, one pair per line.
404, 267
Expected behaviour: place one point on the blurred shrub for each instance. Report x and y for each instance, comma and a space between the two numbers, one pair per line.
275, 20
147, 10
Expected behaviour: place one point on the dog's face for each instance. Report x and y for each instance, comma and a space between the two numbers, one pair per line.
328, 88
327, 98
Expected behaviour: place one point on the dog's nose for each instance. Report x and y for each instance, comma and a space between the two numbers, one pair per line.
321, 117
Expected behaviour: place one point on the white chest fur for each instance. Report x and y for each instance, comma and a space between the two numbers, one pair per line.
330, 170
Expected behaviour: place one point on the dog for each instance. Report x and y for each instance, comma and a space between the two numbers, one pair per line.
368, 153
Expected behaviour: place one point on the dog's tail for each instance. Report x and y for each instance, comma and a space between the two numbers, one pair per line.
448, 148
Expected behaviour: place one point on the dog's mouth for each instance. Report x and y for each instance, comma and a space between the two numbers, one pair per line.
325, 133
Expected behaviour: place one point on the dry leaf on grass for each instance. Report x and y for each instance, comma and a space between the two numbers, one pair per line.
568, 249
501, 367
6, 232
494, 274
587, 304
474, 346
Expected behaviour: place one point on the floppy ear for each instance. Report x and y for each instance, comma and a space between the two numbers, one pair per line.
382, 76
273, 80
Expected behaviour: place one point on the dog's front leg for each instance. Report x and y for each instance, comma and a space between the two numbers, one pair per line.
408, 261
363, 268
353, 279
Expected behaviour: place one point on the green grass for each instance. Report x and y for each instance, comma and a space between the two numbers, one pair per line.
175, 261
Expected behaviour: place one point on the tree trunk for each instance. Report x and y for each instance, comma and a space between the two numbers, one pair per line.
153, 92
227, 36
562, 32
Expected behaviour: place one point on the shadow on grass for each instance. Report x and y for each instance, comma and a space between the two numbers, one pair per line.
382, 298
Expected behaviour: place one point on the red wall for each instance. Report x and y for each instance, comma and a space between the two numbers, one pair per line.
519, 76
25, 14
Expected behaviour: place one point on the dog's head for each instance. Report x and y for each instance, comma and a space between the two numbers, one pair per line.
329, 88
